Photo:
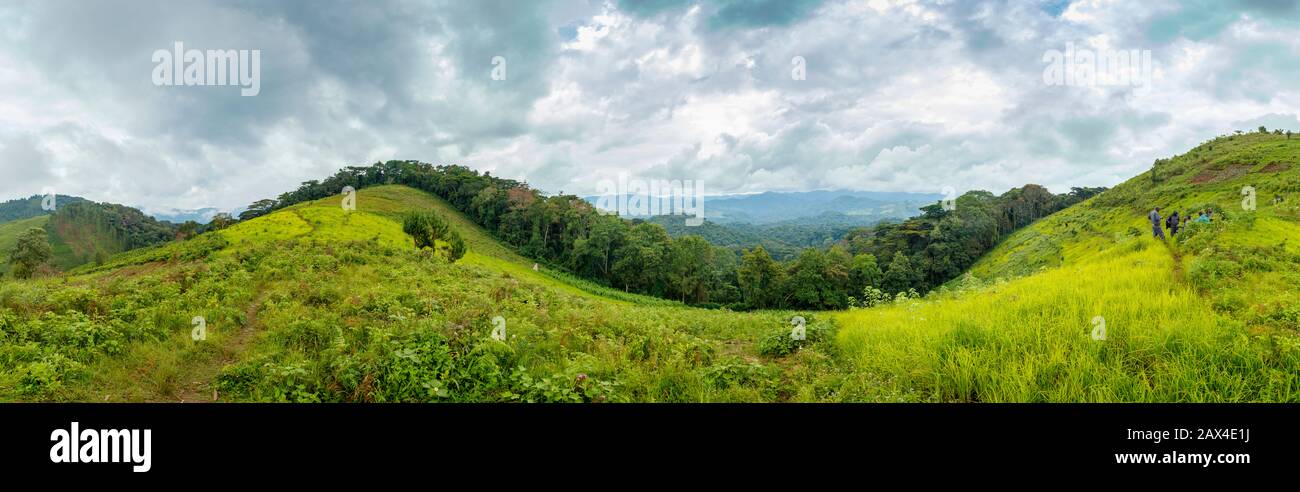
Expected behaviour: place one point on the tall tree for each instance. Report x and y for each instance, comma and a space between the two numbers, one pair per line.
761, 279
866, 272
257, 209
690, 270
643, 259
30, 252
427, 229
900, 276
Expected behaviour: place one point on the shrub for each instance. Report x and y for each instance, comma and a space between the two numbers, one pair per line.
428, 229
782, 342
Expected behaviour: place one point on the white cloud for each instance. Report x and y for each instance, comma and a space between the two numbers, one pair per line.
906, 95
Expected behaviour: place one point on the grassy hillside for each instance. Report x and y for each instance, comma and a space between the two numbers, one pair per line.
81, 231
314, 304
1209, 315
9, 232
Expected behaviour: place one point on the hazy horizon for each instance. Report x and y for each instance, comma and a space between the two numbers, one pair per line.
747, 97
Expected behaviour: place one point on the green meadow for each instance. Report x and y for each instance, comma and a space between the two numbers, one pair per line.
313, 303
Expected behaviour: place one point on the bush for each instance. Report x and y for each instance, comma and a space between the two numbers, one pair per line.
782, 342
428, 229
30, 252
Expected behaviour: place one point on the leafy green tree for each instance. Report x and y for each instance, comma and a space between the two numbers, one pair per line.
724, 288
594, 254
900, 276
807, 285
761, 279
690, 268
30, 252
220, 221
866, 272
257, 209
455, 247
187, 229
820, 280
934, 211
427, 228
642, 260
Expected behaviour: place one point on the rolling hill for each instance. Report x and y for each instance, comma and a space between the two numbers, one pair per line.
81, 231
313, 303
1208, 315
26, 208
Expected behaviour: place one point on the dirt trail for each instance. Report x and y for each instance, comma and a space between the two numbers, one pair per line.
199, 385
1177, 254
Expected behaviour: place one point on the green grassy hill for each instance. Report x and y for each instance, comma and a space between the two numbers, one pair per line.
1209, 315
312, 303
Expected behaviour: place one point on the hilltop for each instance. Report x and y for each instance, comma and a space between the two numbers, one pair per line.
26, 208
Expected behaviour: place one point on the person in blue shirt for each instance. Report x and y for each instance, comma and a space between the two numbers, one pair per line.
1157, 228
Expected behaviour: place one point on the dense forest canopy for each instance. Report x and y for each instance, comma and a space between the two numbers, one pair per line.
566, 231
122, 227
783, 240
26, 208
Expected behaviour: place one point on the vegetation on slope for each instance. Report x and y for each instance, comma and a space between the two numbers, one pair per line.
1206, 316
26, 208
9, 232
81, 231
313, 303
783, 240
570, 234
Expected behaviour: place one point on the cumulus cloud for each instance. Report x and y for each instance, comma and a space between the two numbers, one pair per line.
900, 95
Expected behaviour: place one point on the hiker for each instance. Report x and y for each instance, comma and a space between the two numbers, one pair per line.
1209, 215
1156, 228
1173, 223
1202, 219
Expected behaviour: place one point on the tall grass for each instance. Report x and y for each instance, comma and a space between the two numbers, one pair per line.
1030, 340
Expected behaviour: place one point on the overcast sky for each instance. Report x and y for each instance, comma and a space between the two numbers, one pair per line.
898, 95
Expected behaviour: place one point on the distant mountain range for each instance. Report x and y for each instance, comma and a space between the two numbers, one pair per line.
838, 206
864, 207
202, 215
